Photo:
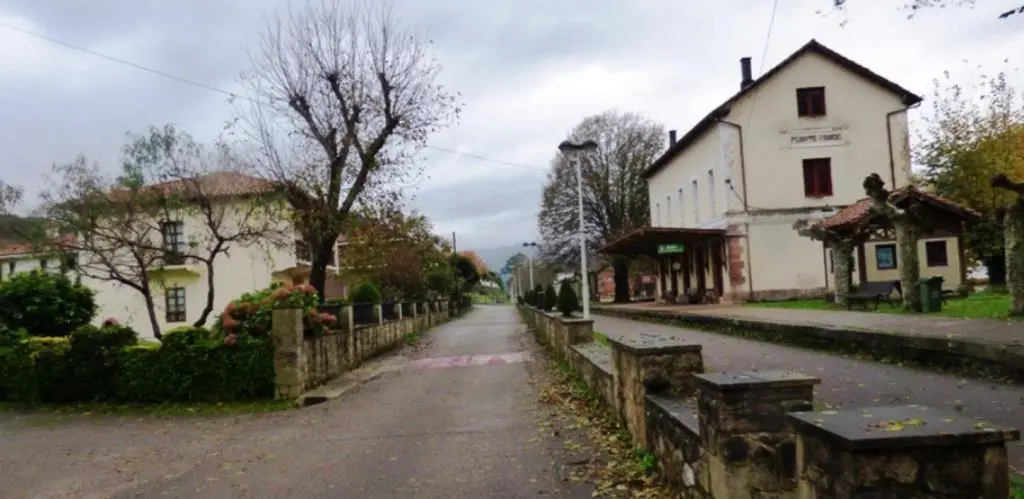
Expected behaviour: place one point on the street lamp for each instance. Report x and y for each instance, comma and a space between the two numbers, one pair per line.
571, 151
529, 259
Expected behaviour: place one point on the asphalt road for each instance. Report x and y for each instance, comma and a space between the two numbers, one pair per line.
454, 422
851, 383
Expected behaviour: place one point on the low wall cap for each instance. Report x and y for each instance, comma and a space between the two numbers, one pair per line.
898, 427
653, 344
740, 380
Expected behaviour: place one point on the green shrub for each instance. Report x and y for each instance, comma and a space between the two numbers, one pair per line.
45, 303
208, 370
365, 292
10, 336
185, 336
92, 361
567, 300
98, 366
550, 298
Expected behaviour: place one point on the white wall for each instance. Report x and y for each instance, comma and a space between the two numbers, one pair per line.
856, 107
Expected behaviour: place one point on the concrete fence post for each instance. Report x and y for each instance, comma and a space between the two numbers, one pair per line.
378, 311
289, 354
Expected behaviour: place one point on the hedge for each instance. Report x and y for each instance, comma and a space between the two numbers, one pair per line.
107, 364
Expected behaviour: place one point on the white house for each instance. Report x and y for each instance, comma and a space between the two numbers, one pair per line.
795, 143
180, 285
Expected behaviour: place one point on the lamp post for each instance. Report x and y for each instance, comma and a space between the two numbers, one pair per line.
571, 151
529, 260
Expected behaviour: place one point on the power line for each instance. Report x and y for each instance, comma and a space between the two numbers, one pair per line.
211, 88
768, 36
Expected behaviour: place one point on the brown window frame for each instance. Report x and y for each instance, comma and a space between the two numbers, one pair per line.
171, 301
816, 183
810, 102
931, 258
895, 257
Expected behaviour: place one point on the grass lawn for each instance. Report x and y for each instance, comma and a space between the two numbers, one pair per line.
977, 306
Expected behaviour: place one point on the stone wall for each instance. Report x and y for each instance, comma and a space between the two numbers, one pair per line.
302, 363
755, 434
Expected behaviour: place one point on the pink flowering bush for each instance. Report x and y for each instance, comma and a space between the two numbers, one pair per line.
251, 313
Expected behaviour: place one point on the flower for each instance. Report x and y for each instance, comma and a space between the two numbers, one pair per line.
306, 289
328, 318
110, 322
280, 293
228, 322
230, 340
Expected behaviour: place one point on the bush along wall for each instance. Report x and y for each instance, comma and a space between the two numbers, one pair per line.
108, 364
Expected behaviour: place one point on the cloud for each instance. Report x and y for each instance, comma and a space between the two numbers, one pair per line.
527, 70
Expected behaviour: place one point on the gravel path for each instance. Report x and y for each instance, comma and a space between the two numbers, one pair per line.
848, 382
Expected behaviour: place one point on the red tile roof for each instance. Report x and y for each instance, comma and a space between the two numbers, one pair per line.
218, 184
858, 211
11, 248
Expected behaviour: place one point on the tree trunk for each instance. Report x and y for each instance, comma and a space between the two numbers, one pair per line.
201, 321
620, 267
322, 249
907, 235
995, 268
842, 266
151, 310
1014, 234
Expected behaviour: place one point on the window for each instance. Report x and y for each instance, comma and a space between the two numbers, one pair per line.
43, 264
668, 210
810, 102
711, 191
174, 242
175, 304
303, 252
696, 201
69, 261
657, 214
818, 177
682, 207
10, 268
935, 254
885, 256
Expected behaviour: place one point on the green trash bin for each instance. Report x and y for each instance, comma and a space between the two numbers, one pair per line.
931, 294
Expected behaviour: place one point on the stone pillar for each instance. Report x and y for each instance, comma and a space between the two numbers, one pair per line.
289, 355
569, 332
902, 451
399, 310
656, 359
379, 312
748, 451
346, 318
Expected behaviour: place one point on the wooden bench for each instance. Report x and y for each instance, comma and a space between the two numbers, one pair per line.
872, 292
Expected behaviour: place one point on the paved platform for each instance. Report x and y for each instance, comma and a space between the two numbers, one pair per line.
1000, 343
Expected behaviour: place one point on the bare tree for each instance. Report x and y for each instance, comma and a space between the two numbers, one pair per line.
912, 7
909, 228
615, 199
122, 229
342, 97
842, 245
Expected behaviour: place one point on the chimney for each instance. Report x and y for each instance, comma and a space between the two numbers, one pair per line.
746, 77
671, 138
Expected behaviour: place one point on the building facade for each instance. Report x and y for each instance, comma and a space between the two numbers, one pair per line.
793, 144
179, 286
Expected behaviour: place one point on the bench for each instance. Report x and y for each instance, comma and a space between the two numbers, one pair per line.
872, 292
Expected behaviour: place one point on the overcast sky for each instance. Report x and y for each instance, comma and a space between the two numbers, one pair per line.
528, 71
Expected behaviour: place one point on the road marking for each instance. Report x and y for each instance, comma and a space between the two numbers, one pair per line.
491, 359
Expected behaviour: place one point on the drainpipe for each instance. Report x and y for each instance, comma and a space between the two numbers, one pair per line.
746, 206
743, 161
888, 136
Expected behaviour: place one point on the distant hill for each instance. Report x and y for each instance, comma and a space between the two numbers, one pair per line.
496, 257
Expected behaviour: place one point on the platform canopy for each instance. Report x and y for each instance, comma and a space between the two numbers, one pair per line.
652, 241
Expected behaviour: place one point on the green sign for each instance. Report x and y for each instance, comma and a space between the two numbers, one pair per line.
670, 249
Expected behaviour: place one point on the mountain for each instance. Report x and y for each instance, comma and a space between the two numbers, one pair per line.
496, 257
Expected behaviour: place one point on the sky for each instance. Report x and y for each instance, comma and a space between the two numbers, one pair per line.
527, 71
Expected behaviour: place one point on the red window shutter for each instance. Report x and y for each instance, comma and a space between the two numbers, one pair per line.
825, 178
809, 179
